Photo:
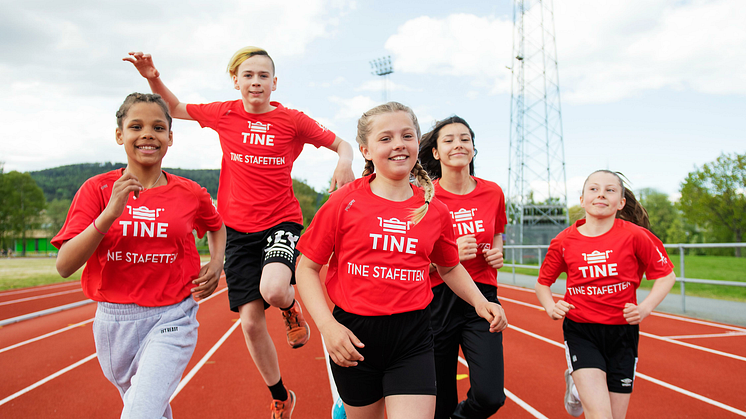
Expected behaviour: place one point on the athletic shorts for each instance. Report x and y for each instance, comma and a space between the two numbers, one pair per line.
398, 356
246, 254
611, 348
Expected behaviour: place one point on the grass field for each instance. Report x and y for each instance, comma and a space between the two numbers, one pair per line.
33, 271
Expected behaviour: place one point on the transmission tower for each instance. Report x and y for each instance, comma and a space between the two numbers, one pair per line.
537, 190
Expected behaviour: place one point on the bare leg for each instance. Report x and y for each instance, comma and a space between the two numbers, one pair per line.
619, 404
594, 393
275, 285
371, 411
259, 342
410, 406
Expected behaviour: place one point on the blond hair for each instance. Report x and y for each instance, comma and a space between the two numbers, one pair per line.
418, 173
244, 54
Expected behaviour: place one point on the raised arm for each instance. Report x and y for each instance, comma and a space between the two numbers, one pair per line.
460, 282
343, 172
144, 64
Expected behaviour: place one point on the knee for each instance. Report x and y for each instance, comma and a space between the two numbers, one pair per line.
489, 402
276, 296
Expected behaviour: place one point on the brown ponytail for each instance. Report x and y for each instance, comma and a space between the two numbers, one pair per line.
424, 181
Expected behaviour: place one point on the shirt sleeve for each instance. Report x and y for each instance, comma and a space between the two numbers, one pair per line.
501, 218
652, 256
445, 250
553, 264
208, 218
313, 132
318, 242
207, 114
86, 206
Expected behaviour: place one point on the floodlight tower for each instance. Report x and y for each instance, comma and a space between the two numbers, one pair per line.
382, 67
537, 190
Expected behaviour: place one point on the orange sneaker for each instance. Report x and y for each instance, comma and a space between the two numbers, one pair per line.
295, 326
283, 410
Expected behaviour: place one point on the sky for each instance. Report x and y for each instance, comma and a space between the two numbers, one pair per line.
651, 88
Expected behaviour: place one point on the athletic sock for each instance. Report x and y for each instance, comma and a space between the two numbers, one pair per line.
279, 392
291, 306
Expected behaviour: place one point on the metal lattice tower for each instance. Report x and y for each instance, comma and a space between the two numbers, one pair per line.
537, 190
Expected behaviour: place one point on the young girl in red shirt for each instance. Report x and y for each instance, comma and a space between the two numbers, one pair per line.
260, 140
379, 234
604, 257
477, 210
133, 230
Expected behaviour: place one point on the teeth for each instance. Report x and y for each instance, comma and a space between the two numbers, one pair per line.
399, 158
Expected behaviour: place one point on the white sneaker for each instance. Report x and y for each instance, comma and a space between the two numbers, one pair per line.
572, 404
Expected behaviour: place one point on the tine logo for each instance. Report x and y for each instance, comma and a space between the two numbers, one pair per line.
463, 214
596, 256
393, 225
259, 127
144, 213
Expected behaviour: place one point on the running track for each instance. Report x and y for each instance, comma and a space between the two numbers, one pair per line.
687, 368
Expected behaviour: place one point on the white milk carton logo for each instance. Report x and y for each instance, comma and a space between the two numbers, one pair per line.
391, 243
464, 222
258, 134
144, 223
598, 265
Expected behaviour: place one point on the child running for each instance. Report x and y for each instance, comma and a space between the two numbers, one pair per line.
477, 210
133, 228
604, 257
381, 233
260, 140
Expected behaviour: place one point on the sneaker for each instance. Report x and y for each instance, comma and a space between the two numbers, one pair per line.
572, 404
283, 410
338, 410
295, 326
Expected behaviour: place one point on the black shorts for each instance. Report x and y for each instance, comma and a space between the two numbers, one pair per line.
246, 254
611, 348
398, 356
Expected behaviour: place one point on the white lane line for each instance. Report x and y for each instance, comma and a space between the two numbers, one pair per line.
184, 381
39, 297
651, 379
47, 379
689, 345
46, 287
655, 313
714, 335
527, 407
669, 340
48, 311
38, 338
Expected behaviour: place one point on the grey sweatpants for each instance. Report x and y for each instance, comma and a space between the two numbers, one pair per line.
143, 351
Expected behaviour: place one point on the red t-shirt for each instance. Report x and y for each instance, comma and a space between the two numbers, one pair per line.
480, 212
603, 272
256, 187
379, 261
148, 257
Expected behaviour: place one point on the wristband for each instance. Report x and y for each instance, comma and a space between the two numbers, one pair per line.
94, 226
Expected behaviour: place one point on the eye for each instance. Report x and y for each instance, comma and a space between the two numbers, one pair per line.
160, 128
382, 139
135, 126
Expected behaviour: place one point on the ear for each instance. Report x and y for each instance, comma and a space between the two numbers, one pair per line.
235, 82
170, 138
119, 137
436, 155
622, 203
365, 152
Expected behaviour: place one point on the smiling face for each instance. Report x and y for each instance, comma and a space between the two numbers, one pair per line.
392, 145
455, 147
145, 134
602, 195
256, 81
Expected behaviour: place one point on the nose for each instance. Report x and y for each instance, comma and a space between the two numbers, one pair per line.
397, 143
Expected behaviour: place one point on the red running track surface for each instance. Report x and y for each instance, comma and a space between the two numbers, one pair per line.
687, 368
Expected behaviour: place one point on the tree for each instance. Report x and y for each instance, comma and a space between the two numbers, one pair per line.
714, 196
22, 203
576, 213
661, 212
56, 213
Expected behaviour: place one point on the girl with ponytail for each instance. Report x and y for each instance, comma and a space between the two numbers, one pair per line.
379, 234
604, 256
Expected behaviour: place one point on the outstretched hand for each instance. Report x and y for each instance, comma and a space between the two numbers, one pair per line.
143, 63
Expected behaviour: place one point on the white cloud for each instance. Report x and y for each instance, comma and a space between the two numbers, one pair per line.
607, 51
377, 85
353, 108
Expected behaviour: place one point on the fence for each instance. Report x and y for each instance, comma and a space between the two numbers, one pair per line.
681, 278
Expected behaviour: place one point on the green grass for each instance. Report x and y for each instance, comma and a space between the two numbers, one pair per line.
30, 272
721, 268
